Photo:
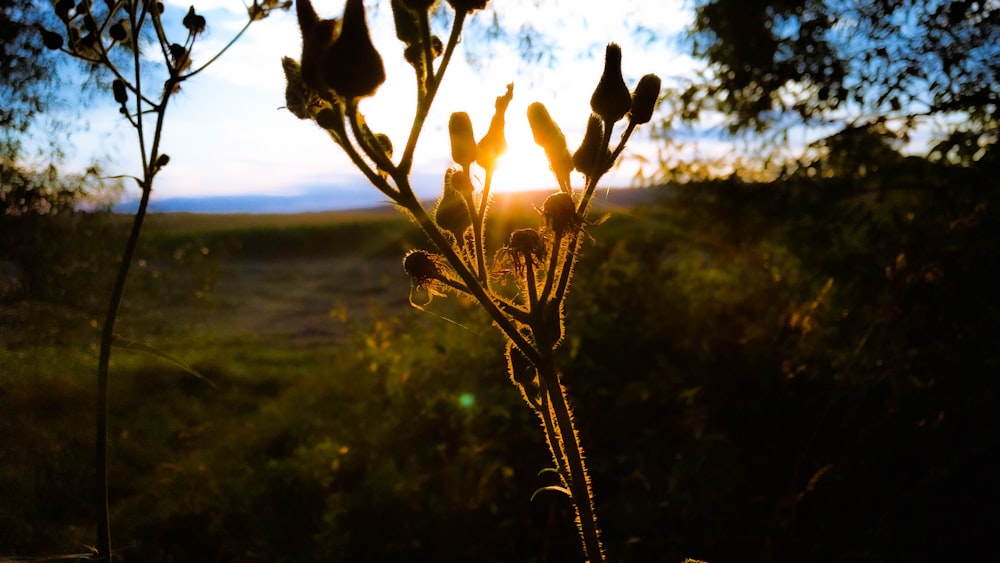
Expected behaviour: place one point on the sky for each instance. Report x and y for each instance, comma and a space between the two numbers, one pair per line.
227, 134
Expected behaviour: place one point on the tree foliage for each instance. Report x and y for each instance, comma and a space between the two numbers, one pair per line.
778, 63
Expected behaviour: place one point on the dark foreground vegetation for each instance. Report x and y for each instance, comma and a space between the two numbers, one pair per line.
812, 376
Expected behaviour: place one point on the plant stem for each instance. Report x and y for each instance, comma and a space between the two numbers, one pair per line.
579, 483
410, 202
424, 105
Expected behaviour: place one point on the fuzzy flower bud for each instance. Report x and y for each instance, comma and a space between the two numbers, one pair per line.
406, 19
339, 55
592, 158
548, 136
468, 5
494, 143
611, 99
119, 90
520, 369
452, 213
647, 92
463, 141
352, 65
51, 39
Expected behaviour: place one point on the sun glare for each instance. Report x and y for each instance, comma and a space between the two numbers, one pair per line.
523, 167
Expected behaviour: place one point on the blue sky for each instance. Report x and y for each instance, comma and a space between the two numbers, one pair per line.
226, 134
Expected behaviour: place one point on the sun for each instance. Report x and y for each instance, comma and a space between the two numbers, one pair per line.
523, 167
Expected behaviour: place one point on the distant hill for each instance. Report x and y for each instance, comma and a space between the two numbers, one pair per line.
349, 199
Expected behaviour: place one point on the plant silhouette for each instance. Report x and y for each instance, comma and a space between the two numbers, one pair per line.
340, 67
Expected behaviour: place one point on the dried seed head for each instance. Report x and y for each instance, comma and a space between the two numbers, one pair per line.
593, 157
560, 214
611, 99
647, 92
463, 141
525, 246
527, 242
548, 136
422, 267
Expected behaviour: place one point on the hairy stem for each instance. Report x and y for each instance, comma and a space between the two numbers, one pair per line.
579, 483
409, 201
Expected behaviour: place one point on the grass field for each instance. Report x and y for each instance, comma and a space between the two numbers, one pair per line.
251, 345
760, 373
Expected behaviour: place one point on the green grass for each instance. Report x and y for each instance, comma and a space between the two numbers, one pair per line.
341, 424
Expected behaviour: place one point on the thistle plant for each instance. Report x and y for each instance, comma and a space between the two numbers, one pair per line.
340, 67
112, 39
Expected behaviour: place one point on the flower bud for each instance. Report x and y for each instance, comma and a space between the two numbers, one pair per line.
404, 17
121, 94
385, 143
611, 99
452, 213
644, 99
119, 31
519, 368
548, 136
414, 54
418, 5
468, 5
296, 96
51, 39
317, 35
194, 23
351, 66
494, 143
593, 158
330, 119
463, 141
459, 181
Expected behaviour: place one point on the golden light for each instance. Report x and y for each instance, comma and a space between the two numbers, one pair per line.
524, 167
